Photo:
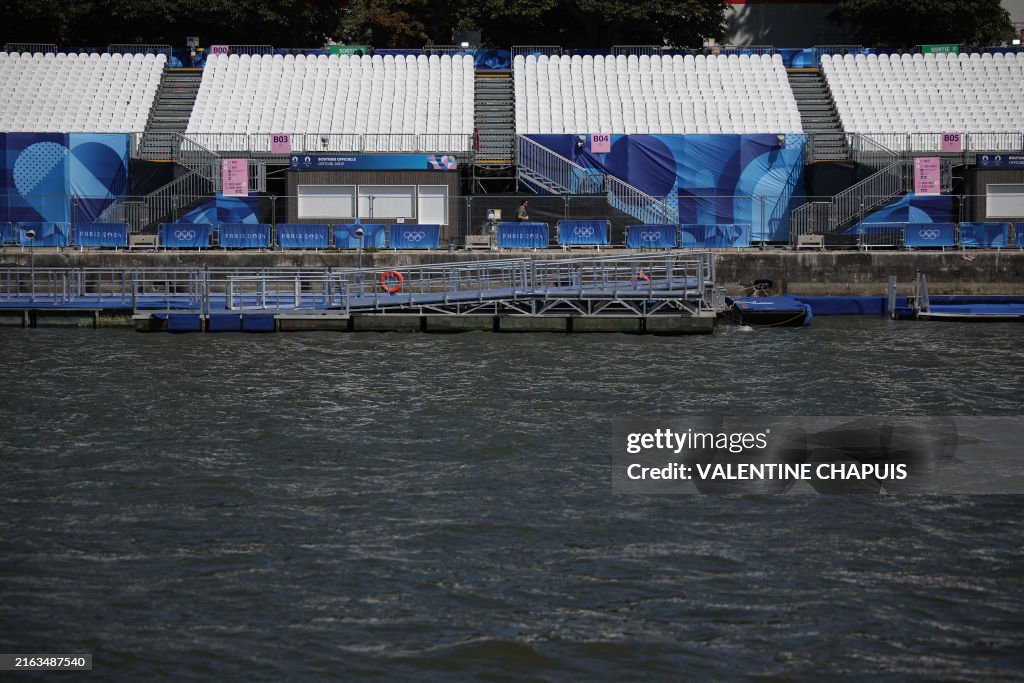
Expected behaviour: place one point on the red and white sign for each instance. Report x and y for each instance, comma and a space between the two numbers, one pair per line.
927, 175
952, 142
234, 175
600, 143
281, 144
219, 49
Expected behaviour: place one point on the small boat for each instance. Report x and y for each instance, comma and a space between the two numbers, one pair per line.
783, 310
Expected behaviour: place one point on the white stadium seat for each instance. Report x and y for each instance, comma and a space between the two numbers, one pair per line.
327, 102
933, 93
653, 94
69, 93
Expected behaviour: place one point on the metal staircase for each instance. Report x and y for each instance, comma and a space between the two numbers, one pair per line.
495, 117
818, 115
169, 116
545, 171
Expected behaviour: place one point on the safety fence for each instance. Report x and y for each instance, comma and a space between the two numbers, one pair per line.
672, 275
469, 221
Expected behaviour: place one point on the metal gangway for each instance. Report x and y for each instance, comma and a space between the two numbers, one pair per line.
679, 282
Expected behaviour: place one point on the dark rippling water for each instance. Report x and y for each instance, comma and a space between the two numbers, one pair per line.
406, 506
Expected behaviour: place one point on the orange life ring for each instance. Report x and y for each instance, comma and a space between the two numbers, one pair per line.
385, 279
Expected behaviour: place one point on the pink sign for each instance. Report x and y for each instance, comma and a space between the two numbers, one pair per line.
952, 142
600, 143
219, 49
281, 144
234, 175
927, 176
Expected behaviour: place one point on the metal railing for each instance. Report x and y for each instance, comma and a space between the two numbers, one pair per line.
251, 49
525, 50
679, 275
638, 204
30, 47
916, 143
742, 49
140, 49
636, 50
327, 143
821, 50
448, 49
553, 172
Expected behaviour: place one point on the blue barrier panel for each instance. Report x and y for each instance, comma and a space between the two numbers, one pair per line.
47, 234
7, 234
185, 235
259, 322
582, 233
101, 235
929, 235
224, 322
302, 235
523, 235
374, 235
662, 236
414, 236
715, 236
245, 235
184, 322
984, 234
1020, 235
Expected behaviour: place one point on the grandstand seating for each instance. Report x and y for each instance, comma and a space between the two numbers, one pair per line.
336, 102
657, 94
68, 93
932, 93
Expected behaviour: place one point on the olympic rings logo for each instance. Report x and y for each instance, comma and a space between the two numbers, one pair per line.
650, 236
414, 236
928, 234
583, 232
184, 235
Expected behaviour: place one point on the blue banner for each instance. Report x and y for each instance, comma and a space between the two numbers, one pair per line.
716, 236
373, 162
414, 236
185, 235
101, 234
302, 235
7, 234
1020, 235
524, 235
651, 236
244, 235
374, 235
984, 234
929, 235
1000, 160
46, 234
582, 232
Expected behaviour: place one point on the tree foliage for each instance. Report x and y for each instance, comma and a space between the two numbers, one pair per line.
905, 23
382, 23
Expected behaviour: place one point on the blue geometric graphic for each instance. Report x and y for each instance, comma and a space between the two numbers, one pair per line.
708, 179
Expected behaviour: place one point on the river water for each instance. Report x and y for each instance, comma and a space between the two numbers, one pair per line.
409, 506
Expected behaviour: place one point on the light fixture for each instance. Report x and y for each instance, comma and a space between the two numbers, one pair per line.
464, 44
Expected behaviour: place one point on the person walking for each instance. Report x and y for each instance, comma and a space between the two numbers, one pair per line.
521, 212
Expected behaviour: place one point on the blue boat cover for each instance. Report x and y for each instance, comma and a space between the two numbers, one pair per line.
984, 234
522, 235
651, 236
245, 235
583, 233
374, 235
414, 236
47, 234
185, 235
101, 235
303, 235
715, 236
782, 303
929, 235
